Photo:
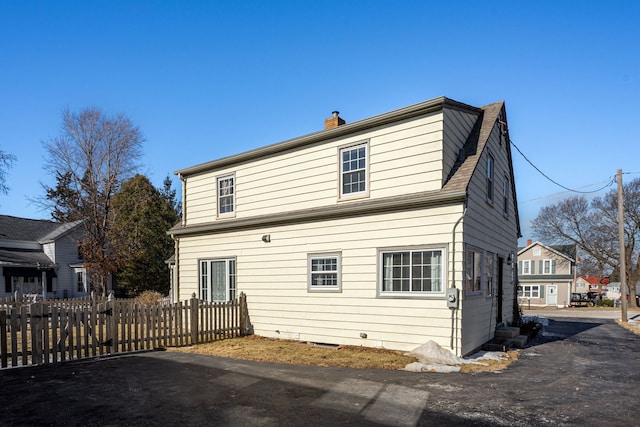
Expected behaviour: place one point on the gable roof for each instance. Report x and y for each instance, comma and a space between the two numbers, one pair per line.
32, 230
592, 280
23, 229
564, 251
462, 171
454, 188
408, 112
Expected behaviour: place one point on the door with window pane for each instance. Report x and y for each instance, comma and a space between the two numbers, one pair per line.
218, 280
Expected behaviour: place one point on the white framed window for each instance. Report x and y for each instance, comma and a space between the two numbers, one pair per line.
525, 267
412, 272
217, 279
354, 170
80, 281
473, 270
226, 191
537, 251
548, 266
529, 291
490, 177
324, 272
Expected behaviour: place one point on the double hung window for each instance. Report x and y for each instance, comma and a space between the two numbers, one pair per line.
324, 272
218, 279
490, 178
354, 170
226, 195
412, 272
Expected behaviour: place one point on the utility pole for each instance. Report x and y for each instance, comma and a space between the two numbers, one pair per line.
623, 262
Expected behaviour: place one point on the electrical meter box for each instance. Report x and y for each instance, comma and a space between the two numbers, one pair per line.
452, 297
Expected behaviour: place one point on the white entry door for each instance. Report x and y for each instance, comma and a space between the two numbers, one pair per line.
552, 295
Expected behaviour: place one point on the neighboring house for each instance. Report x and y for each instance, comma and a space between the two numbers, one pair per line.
546, 275
39, 257
363, 233
589, 284
613, 291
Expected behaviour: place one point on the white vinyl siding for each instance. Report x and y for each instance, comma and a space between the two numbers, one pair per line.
280, 300
403, 158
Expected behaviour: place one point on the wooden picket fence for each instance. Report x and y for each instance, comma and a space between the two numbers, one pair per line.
55, 331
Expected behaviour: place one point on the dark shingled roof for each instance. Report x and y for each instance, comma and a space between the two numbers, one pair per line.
31, 230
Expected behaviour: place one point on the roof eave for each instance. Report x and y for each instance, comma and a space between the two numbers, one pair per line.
389, 204
408, 112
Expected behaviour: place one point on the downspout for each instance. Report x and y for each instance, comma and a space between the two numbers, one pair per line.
453, 275
176, 271
183, 220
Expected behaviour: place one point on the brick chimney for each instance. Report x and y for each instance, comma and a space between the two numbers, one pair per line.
334, 121
529, 242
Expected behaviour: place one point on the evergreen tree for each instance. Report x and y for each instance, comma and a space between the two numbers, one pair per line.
139, 238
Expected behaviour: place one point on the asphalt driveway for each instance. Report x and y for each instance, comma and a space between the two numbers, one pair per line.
580, 372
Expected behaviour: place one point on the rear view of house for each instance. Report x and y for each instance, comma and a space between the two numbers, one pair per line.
389, 231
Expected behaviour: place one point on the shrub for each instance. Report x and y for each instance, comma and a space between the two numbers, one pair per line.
606, 302
530, 326
149, 298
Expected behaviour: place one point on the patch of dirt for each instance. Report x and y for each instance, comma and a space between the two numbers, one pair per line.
262, 349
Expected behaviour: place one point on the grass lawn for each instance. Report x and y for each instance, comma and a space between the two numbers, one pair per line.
301, 353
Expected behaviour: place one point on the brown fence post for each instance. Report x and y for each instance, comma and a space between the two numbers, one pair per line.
3, 339
194, 319
243, 314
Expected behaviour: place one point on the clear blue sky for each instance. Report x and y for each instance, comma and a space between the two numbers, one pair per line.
205, 80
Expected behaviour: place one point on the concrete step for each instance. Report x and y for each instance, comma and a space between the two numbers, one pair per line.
498, 344
507, 332
520, 341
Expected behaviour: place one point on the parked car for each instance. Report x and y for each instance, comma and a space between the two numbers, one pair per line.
583, 299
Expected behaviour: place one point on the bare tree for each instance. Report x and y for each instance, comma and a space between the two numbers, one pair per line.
91, 157
6, 162
593, 227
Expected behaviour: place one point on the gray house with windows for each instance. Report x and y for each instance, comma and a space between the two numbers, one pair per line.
390, 231
546, 275
40, 259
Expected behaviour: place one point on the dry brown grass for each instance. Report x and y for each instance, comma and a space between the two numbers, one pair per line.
300, 353
630, 326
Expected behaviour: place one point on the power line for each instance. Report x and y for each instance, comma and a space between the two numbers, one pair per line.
608, 184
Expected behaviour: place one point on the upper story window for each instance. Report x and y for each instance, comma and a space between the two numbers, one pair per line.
226, 195
490, 178
354, 166
526, 267
548, 266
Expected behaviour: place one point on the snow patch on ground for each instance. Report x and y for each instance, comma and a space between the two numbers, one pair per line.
433, 358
